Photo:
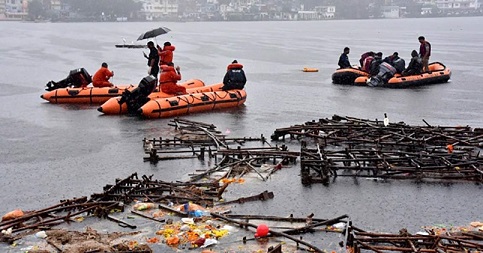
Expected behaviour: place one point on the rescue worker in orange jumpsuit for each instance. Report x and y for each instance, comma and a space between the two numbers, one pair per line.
101, 77
168, 78
165, 53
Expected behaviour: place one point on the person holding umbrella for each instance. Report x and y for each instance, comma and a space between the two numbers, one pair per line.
166, 53
153, 60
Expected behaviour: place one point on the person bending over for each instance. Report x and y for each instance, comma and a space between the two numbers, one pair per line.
415, 65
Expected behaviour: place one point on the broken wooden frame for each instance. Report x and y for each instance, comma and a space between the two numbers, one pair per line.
470, 241
368, 148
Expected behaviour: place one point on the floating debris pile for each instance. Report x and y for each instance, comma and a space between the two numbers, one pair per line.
436, 241
197, 139
371, 148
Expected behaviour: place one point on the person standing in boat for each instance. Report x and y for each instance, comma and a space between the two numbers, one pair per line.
424, 52
153, 60
102, 76
344, 59
165, 53
234, 78
415, 65
168, 79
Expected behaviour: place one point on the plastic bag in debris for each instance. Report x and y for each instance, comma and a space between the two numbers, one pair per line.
143, 206
209, 242
17, 213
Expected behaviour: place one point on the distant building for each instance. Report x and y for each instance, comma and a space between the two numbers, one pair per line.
426, 11
319, 12
307, 15
390, 12
325, 12
159, 9
454, 5
2, 9
16, 9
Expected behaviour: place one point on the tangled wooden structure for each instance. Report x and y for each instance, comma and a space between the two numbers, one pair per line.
198, 140
448, 242
347, 146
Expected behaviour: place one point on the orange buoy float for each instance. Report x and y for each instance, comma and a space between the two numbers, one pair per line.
310, 70
262, 230
113, 107
191, 103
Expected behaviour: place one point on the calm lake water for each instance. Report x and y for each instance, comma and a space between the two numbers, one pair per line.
50, 152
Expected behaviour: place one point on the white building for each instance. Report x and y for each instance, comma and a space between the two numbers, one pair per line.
16, 9
2, 9
156, 9
325, 12
390, 11
454, 5
307, 15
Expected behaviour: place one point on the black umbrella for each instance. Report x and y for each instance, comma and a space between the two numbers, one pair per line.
153, 33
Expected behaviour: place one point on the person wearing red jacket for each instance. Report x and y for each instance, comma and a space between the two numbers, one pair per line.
165, 53
424, 52
169, 77
101, 77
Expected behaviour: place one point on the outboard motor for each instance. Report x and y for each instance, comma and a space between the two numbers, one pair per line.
76, 78
386, 71
139, 96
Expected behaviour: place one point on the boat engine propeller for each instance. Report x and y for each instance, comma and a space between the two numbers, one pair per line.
77, 78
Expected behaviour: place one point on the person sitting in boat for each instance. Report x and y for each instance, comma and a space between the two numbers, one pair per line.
415, 65
374, 68
168, 78
102, 76
366, 64
396, 62
364, 56
235, 78
344, 59
165, 53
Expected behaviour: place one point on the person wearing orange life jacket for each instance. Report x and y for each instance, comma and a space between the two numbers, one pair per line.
165, 53
235, 78
101, 77
168, 78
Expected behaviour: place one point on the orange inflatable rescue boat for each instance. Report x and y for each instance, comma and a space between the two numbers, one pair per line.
95, 95
191, 103
114, 107
347, 75
438, 73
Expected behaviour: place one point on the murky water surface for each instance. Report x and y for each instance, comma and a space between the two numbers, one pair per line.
50, 152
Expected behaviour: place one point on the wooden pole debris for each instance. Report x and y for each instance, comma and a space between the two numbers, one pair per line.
348, 146
272, 232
